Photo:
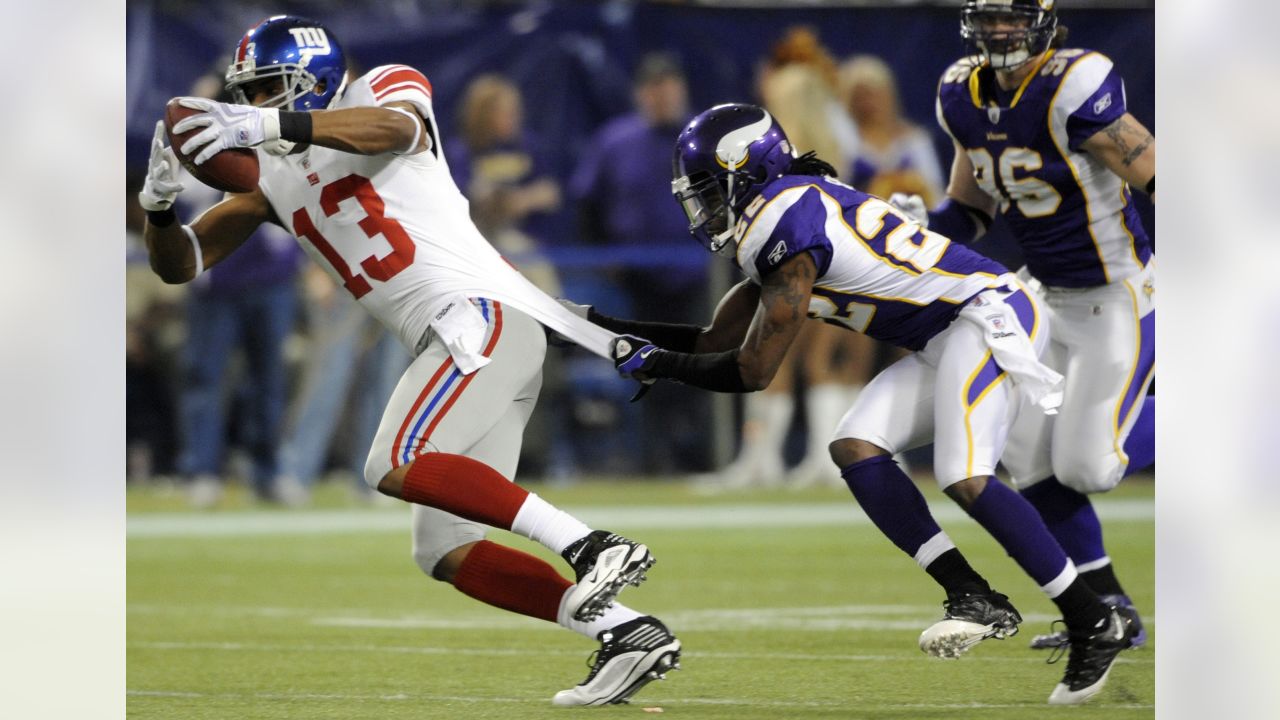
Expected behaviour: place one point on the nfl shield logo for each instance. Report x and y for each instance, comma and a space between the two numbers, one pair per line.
993, 114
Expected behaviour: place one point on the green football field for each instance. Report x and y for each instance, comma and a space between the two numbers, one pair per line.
789, 605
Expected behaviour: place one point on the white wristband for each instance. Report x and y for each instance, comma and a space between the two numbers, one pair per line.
195, 249
417, 129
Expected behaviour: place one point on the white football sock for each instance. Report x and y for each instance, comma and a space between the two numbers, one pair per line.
542, 522
612, 617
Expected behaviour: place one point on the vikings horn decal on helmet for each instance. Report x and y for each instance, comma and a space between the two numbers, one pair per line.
723, 157
300, 52
1008, 33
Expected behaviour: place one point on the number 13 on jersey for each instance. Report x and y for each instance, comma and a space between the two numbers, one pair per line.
374, 223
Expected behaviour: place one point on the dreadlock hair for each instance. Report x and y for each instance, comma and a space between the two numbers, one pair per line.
810, 164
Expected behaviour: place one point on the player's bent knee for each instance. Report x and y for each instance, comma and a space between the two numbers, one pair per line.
442, 564
847, 451
391, 483
966, 491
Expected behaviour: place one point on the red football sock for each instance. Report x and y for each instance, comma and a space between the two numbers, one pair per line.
512, 580
465, 487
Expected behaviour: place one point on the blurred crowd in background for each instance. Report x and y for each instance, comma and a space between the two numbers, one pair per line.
558, 121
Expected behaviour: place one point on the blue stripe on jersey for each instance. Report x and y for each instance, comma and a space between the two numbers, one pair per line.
439, 394
978, 383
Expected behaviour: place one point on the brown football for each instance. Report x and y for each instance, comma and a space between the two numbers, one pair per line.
234, 170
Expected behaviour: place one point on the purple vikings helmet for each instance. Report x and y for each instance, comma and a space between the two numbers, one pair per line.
1008, 33
723, 157
299, 51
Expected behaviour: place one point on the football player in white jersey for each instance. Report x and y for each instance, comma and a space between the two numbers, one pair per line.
355, 171
813, 247
1043, 136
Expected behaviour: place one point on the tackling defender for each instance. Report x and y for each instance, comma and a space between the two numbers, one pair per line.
355, 171
1043, 137
813, 247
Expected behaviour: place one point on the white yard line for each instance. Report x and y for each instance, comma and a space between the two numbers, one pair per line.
646, 702
789, 619
309, 648
236, 524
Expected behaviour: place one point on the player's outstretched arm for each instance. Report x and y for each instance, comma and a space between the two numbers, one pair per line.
728, 328
1128, 149
732, 319
783, 309
179, 253
394, 128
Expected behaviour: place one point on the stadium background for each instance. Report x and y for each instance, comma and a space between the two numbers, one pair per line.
573, 63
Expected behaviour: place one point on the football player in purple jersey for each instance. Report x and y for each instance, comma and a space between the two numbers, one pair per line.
1043, 137
813, 247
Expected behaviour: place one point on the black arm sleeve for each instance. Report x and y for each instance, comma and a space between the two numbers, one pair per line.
709, 371
671, 336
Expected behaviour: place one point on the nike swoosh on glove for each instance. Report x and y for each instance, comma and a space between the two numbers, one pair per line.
632, 356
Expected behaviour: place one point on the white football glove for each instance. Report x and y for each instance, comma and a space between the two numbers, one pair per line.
161, 185
913, 205
226, 126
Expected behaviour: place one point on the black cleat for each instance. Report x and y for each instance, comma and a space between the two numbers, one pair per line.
1059, 638
605, 564
969, 619
1091, 657
631, 656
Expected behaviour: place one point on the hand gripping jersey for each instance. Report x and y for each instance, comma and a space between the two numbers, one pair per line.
1073, 218
396, 233
878, 272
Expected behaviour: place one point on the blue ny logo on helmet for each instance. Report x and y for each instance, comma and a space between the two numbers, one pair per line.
299, 55
722, 159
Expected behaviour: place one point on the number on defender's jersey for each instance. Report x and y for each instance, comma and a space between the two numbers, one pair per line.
1033, 197
835, 306
900, 242
374, 223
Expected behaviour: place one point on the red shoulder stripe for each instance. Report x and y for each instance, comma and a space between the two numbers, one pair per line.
399, 77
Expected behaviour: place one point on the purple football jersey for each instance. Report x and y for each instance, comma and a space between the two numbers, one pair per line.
879, 273
1073, 218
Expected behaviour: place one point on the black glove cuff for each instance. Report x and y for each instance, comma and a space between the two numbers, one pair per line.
710, 371
161, 218
295, 126
671, 336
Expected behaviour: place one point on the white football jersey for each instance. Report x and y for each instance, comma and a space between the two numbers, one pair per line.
392, 229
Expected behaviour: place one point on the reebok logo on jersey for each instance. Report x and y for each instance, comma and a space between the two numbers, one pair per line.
775, 255
1103, 103
445, 311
